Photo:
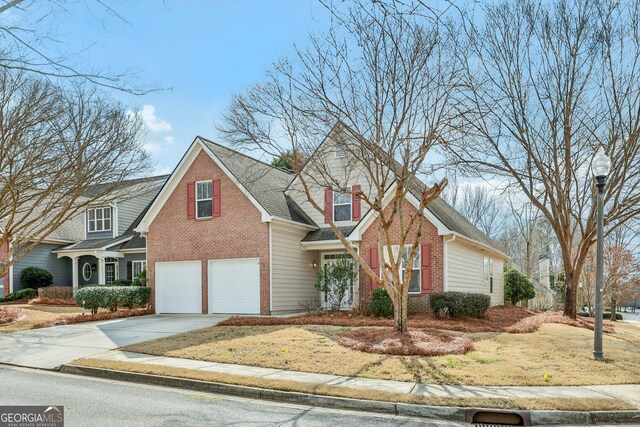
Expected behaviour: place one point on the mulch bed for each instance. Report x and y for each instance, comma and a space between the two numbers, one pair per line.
52, 301
82, 318
9, 314
416, 342
510, 319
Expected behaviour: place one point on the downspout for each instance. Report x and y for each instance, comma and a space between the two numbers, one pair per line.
446, 261
270, 267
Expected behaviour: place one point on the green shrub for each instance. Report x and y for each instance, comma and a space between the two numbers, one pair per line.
335, 279
381, 304
35, 277
583, 314
26, 293
121, 282
141, 280
607, 315
110, 297
517, 287
459, 304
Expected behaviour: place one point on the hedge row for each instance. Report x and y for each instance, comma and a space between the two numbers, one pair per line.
605, 315
110, 297
459, 304
26, 293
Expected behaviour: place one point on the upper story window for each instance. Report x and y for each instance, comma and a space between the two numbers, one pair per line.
99, 219
341, 152
341, 206
204, 199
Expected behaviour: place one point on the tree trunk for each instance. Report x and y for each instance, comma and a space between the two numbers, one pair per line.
400, 311
570, 291
613, 310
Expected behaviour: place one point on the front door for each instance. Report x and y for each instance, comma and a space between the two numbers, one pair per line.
328, 299
110, 270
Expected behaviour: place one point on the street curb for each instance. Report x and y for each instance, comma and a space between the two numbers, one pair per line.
538, 417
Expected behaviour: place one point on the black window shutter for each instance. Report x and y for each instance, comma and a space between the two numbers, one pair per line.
129, 271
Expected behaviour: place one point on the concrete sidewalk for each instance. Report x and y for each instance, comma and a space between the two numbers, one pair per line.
629, 393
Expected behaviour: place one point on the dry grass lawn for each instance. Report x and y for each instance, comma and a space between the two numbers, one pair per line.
562, 352
581, 404
35, 314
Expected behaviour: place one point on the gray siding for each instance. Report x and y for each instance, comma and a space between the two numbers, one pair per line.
93, 280
128, 210
128, 258
42, 257
98, 234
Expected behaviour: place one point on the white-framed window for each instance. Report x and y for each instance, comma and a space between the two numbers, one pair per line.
138, 267
486, 268
342, 206
110, 270
87, 271
204, 199
99, 219
341, 152
414, 284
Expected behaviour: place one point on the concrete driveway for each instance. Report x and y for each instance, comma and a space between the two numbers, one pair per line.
49, 348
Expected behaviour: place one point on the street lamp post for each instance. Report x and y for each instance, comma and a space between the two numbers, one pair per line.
600, 167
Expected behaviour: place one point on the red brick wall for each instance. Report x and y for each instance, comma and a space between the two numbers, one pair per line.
237, 233
4, 254
417, 303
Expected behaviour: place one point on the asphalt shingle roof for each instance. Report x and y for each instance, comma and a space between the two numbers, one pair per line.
94, 244
264, 182
326, 234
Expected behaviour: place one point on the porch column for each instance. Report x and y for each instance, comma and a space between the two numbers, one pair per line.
101, 275
74, 275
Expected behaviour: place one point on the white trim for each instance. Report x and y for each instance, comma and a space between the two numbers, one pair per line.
333, 205
196, 200
61, 252
114, 219
445, 254
133, 270
326, 245
176, 176
74, 272
84, 277
9, 243
270, 267
102, 220
482, 245
85, 224
134, 251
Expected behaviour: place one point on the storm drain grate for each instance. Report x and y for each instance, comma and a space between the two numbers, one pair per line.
491, 418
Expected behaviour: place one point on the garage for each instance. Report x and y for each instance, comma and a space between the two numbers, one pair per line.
179, 287
234, 286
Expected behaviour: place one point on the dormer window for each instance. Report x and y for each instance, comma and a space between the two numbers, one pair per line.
99, 219
342, 206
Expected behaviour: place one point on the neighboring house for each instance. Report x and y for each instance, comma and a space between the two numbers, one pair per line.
230, 234
97, 246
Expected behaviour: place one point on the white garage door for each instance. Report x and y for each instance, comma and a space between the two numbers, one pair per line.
179, 287
234, 286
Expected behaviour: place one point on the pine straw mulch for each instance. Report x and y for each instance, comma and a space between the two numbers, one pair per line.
82, 318
10, 314
510, 319
416, 342
52, 301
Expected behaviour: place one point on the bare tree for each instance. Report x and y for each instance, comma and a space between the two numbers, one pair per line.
547, 84
56, 144
29, 42
476, 203
387, 81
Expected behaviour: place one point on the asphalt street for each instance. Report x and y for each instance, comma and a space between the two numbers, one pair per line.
94, 402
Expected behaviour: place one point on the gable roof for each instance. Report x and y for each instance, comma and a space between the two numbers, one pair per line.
264, 182
126, 184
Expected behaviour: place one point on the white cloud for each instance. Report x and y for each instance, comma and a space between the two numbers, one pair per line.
152, 147
152, 121
169, 139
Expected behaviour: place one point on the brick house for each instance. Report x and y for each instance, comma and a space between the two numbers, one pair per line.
230, 234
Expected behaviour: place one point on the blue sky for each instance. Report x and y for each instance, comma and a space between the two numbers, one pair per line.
205, 50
